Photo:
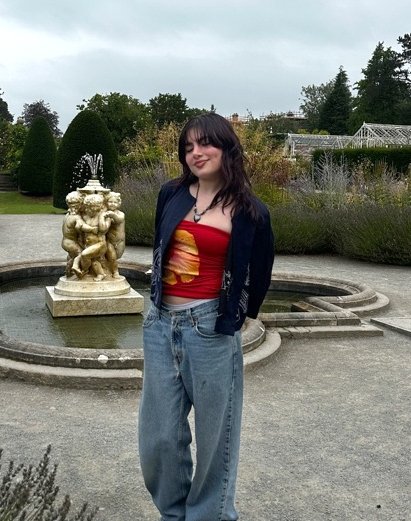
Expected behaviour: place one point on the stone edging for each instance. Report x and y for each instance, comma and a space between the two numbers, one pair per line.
321, 315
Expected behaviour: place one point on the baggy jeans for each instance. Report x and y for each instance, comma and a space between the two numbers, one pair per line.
187, 364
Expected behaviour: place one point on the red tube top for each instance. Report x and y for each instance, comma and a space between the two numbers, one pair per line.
195, 260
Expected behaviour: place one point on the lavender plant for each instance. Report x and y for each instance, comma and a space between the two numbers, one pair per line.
139, 192
29, 493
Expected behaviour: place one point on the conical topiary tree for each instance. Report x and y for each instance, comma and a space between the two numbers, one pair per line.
86, 134
336, 110
38, 159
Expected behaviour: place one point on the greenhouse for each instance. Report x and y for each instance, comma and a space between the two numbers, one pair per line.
377, 135
369, 135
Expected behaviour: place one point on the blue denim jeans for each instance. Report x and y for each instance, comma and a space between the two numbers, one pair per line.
187, 364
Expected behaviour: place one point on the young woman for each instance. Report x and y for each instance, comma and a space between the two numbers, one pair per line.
213, 255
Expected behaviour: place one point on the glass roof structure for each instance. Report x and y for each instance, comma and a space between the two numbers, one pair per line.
369, 135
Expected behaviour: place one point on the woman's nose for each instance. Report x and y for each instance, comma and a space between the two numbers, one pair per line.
196, 150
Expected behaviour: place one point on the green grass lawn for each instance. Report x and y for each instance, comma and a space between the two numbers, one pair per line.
17, 203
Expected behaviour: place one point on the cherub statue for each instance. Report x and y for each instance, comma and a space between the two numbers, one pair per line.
73, 226
95, 244
116, 237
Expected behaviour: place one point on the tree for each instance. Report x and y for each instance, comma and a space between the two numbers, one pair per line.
314, 98
382, 90
168, 108
12, 140
278, 125
39, 108
336, 110
124, 115
4, 110
193, 112
405, 42
404, 107
86, 134
172, 108
38, 159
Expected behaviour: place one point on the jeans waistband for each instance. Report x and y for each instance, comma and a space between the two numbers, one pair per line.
194, 312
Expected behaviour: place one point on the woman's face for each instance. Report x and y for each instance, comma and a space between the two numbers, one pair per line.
203, 159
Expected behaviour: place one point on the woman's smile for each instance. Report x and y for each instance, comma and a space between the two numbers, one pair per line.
200, 163
202, 157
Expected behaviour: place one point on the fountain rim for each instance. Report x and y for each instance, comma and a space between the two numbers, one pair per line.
89, 358
339, 310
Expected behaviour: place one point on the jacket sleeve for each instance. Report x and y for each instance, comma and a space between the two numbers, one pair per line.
160, 205
165, 192
261, 263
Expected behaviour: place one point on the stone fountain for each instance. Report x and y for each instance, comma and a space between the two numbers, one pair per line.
94, 239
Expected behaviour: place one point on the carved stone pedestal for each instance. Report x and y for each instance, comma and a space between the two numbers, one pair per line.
111, 296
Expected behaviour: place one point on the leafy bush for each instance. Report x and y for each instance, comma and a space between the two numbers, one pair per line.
264, 160
29, 493
38, 160
153, 147
12, 140
86, 134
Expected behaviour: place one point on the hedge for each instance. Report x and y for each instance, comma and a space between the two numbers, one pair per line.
38, 160
398, 158
86, 134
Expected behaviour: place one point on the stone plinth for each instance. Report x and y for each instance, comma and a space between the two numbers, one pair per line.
87, 287
70, 306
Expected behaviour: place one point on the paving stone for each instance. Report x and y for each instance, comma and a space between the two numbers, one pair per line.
330, 331
400, 324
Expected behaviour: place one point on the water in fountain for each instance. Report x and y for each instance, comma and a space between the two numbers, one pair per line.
24, 317
87, 162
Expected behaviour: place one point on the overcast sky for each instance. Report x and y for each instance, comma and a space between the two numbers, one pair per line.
236, 54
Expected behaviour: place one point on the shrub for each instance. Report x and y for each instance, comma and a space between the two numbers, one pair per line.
376, 233
29, 493
139, 196
12, 140
270, 193
300, 229
334, 207
153, 147
86, 134
38, 160
366, 220
264, 160
398, 158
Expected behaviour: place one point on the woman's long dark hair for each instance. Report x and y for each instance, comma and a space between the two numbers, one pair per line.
236, 187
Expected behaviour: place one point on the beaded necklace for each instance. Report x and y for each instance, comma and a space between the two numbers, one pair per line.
197, 214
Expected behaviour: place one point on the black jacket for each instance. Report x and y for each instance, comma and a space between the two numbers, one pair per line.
250, 257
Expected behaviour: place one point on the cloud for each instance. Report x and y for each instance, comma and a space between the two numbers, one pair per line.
238, 55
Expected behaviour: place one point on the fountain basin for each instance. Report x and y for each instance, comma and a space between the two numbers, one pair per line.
331, 306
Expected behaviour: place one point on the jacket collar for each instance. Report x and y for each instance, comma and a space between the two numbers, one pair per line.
175, 209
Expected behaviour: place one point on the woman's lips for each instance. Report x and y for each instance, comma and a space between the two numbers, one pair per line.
201, 163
